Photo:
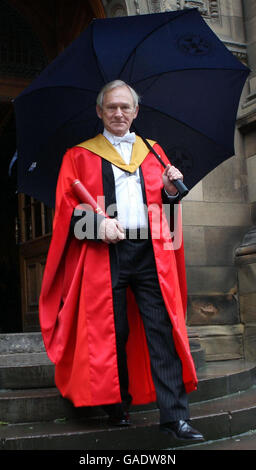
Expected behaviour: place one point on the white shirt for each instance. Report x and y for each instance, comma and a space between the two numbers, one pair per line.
129, 198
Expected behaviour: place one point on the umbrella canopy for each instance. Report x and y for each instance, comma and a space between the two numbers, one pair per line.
189, 83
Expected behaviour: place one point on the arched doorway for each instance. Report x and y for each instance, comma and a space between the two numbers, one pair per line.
32, 34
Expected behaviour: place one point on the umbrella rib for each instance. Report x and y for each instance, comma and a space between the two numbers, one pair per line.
149, 34
187, 125
95, 54
67, 122
55, 87
187, 70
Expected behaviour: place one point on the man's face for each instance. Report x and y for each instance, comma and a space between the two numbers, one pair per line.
118, 111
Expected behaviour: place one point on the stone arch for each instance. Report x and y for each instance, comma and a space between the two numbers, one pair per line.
58, 23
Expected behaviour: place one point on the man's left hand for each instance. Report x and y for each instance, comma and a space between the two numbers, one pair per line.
171, 173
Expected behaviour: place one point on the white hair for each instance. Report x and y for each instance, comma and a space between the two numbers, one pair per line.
116, 84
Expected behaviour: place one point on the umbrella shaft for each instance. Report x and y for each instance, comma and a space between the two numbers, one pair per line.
179, 185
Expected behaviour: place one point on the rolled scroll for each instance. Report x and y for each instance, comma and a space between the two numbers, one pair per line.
85, 197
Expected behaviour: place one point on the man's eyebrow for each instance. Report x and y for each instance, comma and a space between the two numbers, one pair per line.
119, 104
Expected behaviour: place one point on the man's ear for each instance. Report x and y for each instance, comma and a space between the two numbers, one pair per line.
136, 111
99, 111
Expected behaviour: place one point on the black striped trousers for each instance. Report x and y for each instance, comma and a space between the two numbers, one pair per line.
137, 269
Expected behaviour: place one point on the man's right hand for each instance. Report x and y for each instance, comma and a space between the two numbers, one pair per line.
111, 231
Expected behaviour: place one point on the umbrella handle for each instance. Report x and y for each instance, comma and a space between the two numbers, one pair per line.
179, 185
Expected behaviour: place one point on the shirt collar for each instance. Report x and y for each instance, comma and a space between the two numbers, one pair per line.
115, 140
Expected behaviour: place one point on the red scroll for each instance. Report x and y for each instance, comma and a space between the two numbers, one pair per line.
85, 197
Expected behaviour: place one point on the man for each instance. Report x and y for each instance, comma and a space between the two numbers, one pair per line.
112, 306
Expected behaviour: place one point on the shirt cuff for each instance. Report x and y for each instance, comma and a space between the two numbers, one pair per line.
170, 196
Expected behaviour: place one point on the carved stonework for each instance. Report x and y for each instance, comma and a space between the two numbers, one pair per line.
137, 6
201, 5
214, 10
208, 8
115, 8
156, 6
239, 50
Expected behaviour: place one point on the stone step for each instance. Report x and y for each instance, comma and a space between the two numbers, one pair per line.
26, 370
46, 404
13, 343
245, 441
221, 378
216, 419
31, 370
24, 363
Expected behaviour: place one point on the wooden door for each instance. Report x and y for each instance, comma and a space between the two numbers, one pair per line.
35, 227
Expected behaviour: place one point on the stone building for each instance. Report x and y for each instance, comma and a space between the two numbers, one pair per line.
218, 214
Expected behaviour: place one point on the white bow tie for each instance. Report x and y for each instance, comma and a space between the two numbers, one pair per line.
130, 138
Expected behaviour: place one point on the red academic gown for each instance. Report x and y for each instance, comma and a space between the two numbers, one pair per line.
76, 307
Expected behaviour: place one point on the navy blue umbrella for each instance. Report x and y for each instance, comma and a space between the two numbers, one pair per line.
190, 86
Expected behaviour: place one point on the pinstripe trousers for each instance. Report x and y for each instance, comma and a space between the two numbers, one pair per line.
137, 269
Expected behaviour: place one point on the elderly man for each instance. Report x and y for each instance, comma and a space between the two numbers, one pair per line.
112, 306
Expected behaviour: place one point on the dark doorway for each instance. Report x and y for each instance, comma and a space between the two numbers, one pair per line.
10, 304
31, 35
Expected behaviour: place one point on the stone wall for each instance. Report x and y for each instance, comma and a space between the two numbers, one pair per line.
218, 212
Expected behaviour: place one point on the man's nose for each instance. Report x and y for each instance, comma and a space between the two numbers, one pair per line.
118, 111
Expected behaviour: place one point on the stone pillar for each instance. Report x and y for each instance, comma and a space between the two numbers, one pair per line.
246, 266
247, 122
246, 252
217, 215
250, 28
